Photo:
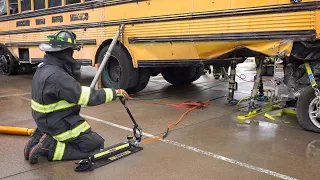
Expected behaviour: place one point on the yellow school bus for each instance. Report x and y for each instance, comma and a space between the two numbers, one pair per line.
157, 33
176, 38
172, 37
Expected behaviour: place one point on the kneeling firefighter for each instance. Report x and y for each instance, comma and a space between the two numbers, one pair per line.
61, 133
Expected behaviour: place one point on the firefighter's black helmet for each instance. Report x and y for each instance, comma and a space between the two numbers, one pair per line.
60, 41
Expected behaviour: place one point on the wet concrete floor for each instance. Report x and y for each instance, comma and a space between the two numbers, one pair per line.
207, 144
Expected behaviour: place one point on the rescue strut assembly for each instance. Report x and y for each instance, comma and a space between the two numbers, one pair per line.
118, 151
275, 107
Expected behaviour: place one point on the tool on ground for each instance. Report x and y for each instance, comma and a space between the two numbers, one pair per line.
280, 112
108, 155
16, 130
118, 151
257, 93
292, 111
137, 130
272, 109
255, 112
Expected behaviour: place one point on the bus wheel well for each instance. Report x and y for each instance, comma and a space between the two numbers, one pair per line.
8, 63
107, 43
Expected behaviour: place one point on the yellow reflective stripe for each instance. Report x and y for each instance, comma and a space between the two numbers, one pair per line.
62, 151
77, 132
81, 96
119, 155
87, 96
107, 97
59, 151
111, 150
109, 94
83, 127
84, 96
63, 104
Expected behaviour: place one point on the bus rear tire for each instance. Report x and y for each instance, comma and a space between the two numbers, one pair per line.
118, 72
143, 80
179, 75
304, 109
199, 72
155, 71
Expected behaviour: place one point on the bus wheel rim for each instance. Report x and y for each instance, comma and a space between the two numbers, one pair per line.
314, 112
114, 69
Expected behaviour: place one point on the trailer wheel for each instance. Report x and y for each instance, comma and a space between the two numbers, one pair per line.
118, 71
179, 75
143, 80
306, 110
8, 64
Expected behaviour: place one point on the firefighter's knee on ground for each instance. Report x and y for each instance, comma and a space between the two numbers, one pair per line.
90, 141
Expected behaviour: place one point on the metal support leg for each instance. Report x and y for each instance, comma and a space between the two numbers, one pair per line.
256, 85
261, 91
224, 73
106, 57
232, 81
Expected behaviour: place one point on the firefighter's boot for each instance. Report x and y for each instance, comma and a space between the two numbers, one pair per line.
46, 143
34, 140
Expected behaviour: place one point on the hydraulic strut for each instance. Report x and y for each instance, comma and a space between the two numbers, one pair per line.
118, 151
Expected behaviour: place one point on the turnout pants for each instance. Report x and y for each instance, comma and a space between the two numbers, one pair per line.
75, 144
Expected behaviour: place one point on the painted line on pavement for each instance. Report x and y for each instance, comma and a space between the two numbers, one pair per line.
9, 95
222, 158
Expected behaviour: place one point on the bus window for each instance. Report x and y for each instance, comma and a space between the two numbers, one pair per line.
13, 6
25, 5
54, 3
72, 1
39, 4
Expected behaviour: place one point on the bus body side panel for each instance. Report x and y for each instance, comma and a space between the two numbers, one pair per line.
317, 23
171, 30
208, 38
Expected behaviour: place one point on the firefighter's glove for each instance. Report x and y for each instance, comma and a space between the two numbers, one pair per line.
122, 94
